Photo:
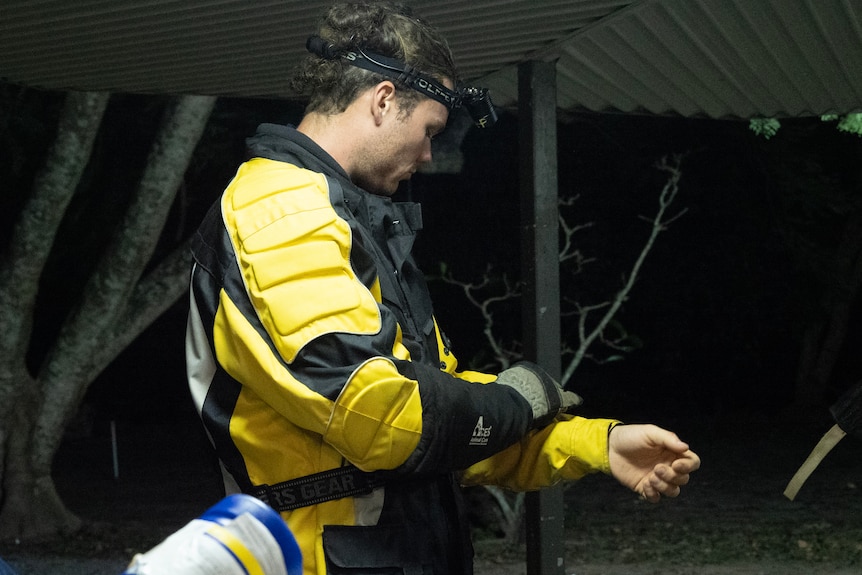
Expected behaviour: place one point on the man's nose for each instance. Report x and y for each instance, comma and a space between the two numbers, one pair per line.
425, 156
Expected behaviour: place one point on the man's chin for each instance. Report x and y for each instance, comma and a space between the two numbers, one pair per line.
376, 188
389, 189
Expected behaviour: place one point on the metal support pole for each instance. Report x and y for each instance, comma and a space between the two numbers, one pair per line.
540, 265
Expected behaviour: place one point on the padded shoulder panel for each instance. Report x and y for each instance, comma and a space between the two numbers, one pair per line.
294, 254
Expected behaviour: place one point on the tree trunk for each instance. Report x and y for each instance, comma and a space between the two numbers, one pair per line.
824, 337
32, 509
116, 307
20, 270
88, 330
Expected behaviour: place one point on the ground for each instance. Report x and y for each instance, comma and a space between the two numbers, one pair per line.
731, 520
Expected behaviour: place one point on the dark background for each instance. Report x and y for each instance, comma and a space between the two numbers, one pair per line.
718, 309
717, 312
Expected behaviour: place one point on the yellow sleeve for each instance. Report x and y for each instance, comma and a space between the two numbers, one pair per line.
568, 449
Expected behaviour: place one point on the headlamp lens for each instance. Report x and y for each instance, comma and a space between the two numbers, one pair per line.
478, 103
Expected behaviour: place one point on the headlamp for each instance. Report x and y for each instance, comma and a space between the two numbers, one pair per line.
476, 101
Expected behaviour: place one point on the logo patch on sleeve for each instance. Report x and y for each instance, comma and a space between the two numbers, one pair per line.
480, 433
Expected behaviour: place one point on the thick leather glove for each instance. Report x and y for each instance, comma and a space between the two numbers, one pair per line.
545, 396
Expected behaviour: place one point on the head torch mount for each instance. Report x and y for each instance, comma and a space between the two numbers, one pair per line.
476, 101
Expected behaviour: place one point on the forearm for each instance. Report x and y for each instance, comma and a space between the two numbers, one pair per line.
568, 449
380, 412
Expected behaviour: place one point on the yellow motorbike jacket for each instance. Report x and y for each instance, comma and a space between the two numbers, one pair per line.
325, 385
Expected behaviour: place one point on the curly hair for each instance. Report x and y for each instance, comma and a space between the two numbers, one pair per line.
385, 28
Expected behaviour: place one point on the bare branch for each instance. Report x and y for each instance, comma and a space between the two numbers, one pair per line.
154, 294
36, 227
567, 250
503, 355
659, 223
510, 507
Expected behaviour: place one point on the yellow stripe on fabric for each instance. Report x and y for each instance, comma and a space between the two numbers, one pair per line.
245, 355
242, 553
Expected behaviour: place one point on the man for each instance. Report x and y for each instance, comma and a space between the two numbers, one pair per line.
313, 353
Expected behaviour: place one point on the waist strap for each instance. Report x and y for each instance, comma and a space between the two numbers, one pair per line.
317, 488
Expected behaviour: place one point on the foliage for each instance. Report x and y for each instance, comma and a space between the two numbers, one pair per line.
766, 127
850, 123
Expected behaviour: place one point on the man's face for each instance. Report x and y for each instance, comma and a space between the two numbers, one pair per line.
402, 144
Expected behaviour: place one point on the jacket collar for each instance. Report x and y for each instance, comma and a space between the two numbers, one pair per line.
379, 214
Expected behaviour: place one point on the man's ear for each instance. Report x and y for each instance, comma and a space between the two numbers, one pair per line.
382, 100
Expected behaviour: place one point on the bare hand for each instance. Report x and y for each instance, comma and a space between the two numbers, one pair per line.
650, 460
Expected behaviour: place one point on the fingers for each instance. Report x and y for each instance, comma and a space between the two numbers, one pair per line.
570, 399
671, 476
650, 494
669, 440
664, 481
688, 462
651, 460
667, 480
684, 465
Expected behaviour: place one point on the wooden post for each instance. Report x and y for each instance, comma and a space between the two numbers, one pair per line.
540, 266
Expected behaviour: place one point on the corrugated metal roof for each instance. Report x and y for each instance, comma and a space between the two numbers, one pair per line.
713, 58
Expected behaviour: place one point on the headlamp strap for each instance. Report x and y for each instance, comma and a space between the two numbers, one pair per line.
402, 73
476, 100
